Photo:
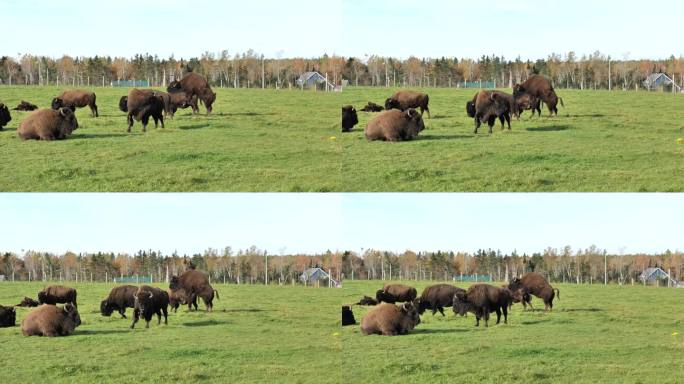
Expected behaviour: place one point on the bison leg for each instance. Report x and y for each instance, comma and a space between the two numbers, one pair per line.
166, 316
136, 317
490, 123
122, 311
130, 122
498, 315
441, 310
508, 120
505, 313
159, 316
478, 123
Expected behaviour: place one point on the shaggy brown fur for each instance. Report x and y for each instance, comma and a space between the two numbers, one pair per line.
404, 100
25, 106
372, 107
367, 301
50, 320
536, 284
119, 299
487, 106
195, 85
390, 320
481, 300
179, 297
196, 284
395, 125
349, 118
54, 294
540, 87
8, 316
28, 302
141, 105
437, 297
76, 99
150, 301
393, 293
48, 124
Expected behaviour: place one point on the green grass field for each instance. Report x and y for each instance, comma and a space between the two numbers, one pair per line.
266, 140
256, 334
595, 334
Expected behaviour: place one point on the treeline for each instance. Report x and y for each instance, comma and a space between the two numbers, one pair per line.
253, 70
252, 266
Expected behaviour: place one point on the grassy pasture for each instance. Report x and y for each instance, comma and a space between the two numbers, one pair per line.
596, 334
266, 140
256, 334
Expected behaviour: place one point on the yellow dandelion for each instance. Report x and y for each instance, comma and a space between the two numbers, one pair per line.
680, 141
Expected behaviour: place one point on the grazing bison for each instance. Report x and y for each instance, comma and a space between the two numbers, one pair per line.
54, 294
395, 125
481, 300
119, 299
393, 293
367, 301
541, 88
178, 298
390, 320
28, 302
141, 105
195, 85
25, 106
347, 316
487, 106
437, 297
349, 118
148, 302
51, 321
536, 285
372, 107
8, 317
47, 124
404, 100
196, 284
76, 99
5, 116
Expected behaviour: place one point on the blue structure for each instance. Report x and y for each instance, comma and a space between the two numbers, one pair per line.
314, 275
657, 81
473, 278
312, 80
130, 83
651, 275
134, 280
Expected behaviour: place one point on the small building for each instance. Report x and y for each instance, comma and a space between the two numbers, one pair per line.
657, 275
661, 81
318, 276
314, 80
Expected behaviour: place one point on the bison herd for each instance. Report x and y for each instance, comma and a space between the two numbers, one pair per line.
389, 319
486, 107
49, 319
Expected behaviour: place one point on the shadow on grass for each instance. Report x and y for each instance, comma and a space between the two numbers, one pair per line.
97, 136
582, 310
246, 114
192, 127
443, 137
206, 323
437, 331
553, 128
101, 331
589, 115
249, 310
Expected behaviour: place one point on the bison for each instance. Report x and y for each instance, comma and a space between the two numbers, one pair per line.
525, 102
47, 124
372, 107
8, 317
520, 295
390, 320
178, 298
5, 116
28, 302
487, 106
51, 321
536, 285
195, 85
395, 125
349, 118
437, 297
119, 299
367, 301
25, 106
481, 300
196, 284
347, 316
541, 88
54, 294
393, 293
404, 100
141, 105
76, 99
150, 301
174, 101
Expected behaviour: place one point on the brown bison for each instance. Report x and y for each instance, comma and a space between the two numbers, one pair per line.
47, 124
54, 294
179, 297
141, 105
28, 302
148, 302
173, 102
51, 321
488, 106
536, 284
5, 116
119, 299
541, 88
527, 102
8, 317
76, 99
437, 297
393, 293
349, 118
520, 295
25, 106
347, 316
481, 300
196, 284
390, 320
395, 125
367, 301
404, 100
372, 107
195, 85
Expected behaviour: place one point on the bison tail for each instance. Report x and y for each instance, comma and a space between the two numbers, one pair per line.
557, 293
216, 294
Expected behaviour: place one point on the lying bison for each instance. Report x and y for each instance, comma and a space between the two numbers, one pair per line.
54, 294
372, 107
481, 300
196, 284
141, 105
535, 283
47, 124
393, 293
148, 302
28, 302
51, 321
390, 320
347, 316
488, 106
8, 317
76, 99
25, 106
119, 299
367, 301
349, 118
5, 116
437, 297
395, 125
541, 88
195, 85
404, 100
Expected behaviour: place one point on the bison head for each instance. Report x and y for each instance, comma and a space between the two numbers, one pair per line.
72, 313
143, 300
470, 108
349, 118
175, 283
461, 303
391, 104
68, 120
410, 313
174, 86
416, 124
105, 308
4, 115
123, 104
42, 297
518, 90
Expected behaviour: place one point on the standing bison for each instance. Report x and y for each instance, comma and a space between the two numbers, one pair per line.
8, 317
393, 293
76, 99
536, 284
403, 100
481, 300
47, 124
5, 116
390, 320
488, 106
196, 284
148, 302
349, 118
437, 297
541, 88
195, 85
51, 321
178, 298
119, 299
173, 102
141, 105
395, 125
54, 294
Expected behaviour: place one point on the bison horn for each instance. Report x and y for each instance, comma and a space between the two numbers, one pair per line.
64, 111
151, 295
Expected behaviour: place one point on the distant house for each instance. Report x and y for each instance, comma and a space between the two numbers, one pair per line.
656, 275
656, 81
314, 80
318, 276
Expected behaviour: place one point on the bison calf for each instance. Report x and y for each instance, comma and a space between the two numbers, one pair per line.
8, 316
481, 300
150, 301
25, 106
367, 301
347, 316
372, 107
390, 320
28, 302
349, 118
119, 299
55, 294
5, 116
50, 320
395, 125
46, 124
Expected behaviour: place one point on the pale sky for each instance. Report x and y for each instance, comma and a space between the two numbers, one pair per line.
311, 223
400, 28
